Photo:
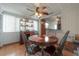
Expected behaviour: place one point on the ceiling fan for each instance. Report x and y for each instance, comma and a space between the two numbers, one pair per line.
41, 12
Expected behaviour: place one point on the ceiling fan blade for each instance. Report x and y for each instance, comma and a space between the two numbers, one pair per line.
33, 17
50, 15
30, 10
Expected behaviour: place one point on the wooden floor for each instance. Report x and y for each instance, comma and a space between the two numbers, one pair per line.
19, 50
12, 50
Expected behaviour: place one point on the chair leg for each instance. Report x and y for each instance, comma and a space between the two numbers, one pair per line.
25, 53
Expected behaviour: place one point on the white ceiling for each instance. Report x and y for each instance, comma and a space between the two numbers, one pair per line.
20, 8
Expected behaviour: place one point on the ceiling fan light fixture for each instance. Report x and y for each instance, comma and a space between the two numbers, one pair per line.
36, 14
40, 14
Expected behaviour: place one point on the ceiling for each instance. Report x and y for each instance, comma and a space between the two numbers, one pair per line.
20, 8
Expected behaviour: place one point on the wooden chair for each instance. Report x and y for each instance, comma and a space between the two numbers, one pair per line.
50, 50
30, 47
61, 45
24, 37
26, 44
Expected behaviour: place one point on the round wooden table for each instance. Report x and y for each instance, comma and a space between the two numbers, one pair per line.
41, 42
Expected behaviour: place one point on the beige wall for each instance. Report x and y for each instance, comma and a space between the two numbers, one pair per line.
69, 19
9, 37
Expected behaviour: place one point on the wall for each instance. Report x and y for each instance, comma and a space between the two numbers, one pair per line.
77, 21
69, 20
7, 37
0, 29
0, 23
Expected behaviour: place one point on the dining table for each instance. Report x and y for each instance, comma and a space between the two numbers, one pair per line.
43, 41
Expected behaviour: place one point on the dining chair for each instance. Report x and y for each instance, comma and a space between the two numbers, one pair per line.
30, 47
27, 44
50, 50
61, 45
24, 37
57, 51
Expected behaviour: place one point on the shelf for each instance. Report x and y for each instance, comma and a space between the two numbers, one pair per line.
26, 24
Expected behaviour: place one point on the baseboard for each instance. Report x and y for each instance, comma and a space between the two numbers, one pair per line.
10, 43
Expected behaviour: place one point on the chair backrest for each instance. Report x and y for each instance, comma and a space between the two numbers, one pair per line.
24, 37
58, 51
63, 40
29, 45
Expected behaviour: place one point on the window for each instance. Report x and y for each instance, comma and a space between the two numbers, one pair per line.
35, 25
10, 23
55, 26
17, 25
51, 25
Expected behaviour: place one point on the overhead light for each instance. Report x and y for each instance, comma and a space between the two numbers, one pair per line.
40, 14
36, 14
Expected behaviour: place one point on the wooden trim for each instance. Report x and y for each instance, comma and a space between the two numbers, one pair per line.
10, 44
